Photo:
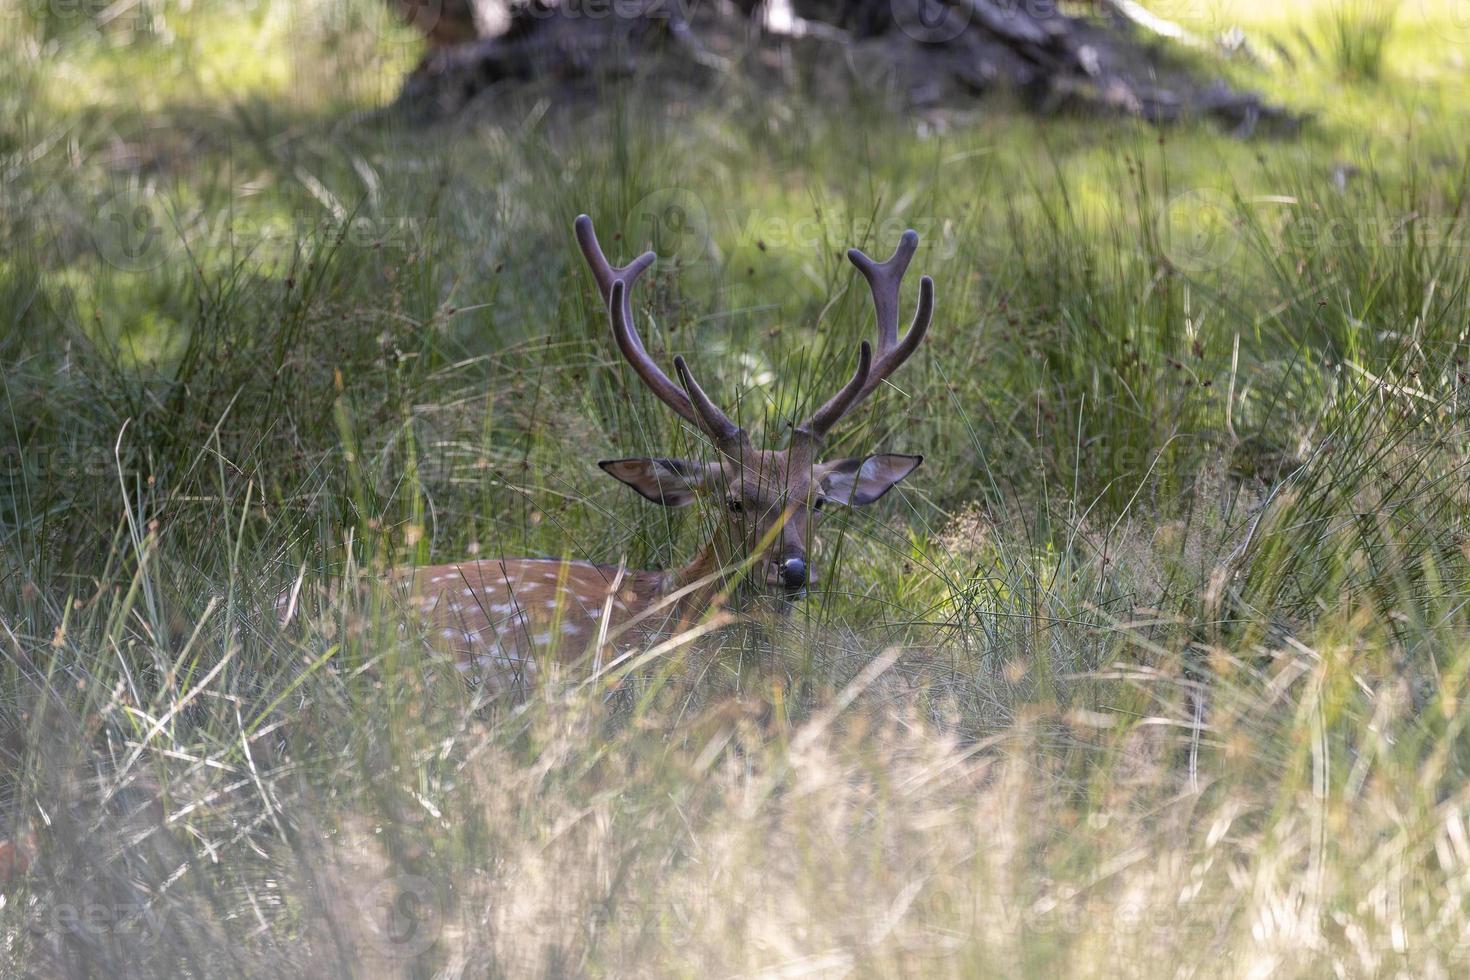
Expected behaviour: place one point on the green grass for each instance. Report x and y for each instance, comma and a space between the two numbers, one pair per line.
1355, 34
1156, 665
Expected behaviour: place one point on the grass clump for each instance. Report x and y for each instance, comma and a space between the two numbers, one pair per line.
1355, 34
1156, 666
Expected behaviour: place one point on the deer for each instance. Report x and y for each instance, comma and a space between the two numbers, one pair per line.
503, 619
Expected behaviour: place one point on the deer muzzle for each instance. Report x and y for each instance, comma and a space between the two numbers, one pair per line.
792, 573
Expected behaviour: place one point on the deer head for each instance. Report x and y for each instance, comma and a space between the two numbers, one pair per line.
769, 500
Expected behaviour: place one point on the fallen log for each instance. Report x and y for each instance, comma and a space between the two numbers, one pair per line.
1113, 58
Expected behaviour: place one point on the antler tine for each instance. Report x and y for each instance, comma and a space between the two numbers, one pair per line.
706, 417
838, 405
884, 280
715, 422
893, 358
602, 270
605, 274
615, 284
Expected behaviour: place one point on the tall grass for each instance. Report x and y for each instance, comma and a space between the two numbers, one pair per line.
1156, 666
1355, 34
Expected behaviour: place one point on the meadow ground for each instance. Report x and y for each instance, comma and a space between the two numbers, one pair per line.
1154, 668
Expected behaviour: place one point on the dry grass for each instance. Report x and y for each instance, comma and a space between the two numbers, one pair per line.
1157, 667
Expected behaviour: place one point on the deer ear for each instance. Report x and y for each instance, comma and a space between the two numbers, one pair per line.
671, 482
862, 481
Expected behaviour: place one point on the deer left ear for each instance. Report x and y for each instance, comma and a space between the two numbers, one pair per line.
862, 481
671, 482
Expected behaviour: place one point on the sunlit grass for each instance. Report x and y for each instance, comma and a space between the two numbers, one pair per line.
1155, 667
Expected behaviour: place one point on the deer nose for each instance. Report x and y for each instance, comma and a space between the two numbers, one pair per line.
793, 573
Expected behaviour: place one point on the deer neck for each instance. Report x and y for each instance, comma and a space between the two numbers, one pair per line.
696, 584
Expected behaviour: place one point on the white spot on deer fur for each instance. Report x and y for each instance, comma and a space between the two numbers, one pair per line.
541, 639
468, 593
495, 657
449, 634
551, 604
503, 609
572, 629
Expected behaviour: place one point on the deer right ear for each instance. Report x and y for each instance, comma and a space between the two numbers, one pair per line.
671, 482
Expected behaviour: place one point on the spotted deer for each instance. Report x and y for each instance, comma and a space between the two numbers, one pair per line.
503, 619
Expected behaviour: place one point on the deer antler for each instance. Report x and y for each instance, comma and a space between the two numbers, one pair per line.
884, 280
615, 284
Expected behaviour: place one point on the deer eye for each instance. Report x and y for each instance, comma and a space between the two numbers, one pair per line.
736, 506
817, 504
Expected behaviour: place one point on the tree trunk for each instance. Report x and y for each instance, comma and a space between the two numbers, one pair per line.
932, 52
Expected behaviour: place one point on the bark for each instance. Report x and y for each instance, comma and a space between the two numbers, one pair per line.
930, 52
